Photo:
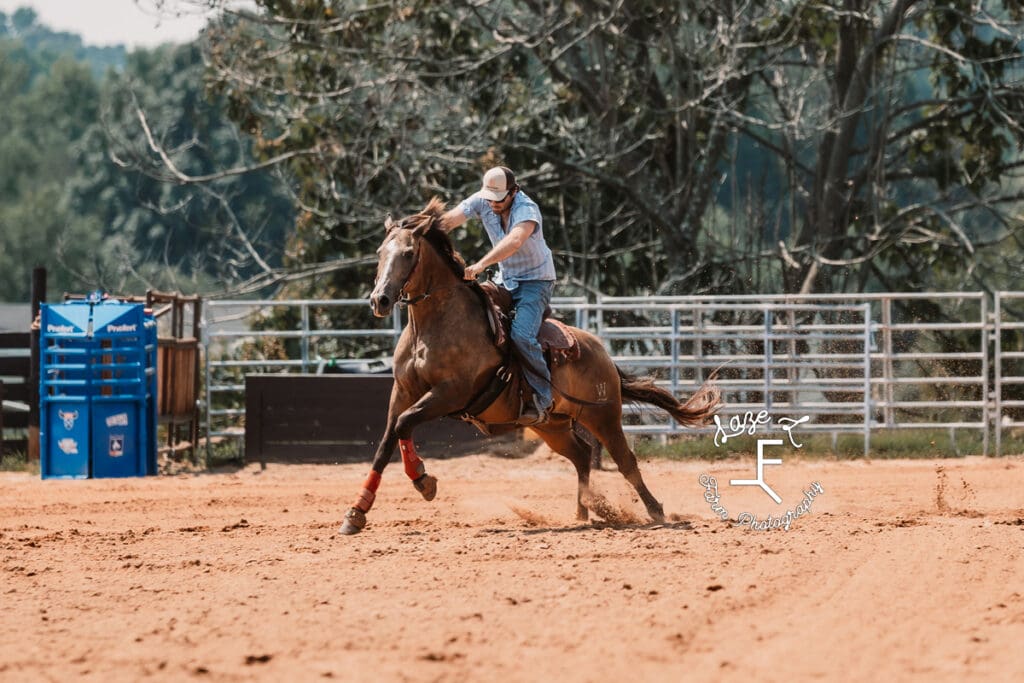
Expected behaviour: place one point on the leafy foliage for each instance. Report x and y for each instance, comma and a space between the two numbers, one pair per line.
74, 193
674, 147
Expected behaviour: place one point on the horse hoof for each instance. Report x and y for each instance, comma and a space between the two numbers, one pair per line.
355, 520
426, 485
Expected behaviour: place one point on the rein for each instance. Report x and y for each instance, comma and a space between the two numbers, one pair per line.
403, 299
406, 300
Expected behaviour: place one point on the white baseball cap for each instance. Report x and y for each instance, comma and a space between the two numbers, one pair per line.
497, 183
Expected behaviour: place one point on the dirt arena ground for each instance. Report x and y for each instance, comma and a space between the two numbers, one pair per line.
905, 570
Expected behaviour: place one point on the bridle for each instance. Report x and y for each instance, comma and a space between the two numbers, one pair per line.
404, 300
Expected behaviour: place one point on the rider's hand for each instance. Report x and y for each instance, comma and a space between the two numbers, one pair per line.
473, 271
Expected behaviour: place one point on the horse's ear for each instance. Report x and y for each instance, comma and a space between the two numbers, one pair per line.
389, 223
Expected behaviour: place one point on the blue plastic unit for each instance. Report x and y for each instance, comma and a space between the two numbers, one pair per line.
97, 389
64, 436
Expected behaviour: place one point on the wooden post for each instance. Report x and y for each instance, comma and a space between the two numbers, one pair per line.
38, 296
197, 316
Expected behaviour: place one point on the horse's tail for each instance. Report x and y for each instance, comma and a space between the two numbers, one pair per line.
695, 412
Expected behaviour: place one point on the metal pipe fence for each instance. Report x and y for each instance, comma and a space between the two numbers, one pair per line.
1008, 361
850, 363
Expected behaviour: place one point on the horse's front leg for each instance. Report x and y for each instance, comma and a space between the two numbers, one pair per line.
355, 518
435, 403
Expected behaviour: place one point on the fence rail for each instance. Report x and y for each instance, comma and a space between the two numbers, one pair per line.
851, 363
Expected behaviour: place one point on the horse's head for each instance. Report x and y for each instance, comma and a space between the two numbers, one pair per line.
396, 259
399, 255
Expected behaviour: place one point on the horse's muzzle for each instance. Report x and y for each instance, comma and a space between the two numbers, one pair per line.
381, 304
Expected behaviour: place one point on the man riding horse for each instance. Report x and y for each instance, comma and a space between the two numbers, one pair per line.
448, 361
513, 223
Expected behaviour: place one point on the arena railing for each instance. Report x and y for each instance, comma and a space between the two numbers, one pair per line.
851, 363
291, 336
1008, 362
929, 365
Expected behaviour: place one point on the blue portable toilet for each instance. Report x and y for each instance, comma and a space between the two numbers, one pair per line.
119, 425
64, 391
97, 389
152, 341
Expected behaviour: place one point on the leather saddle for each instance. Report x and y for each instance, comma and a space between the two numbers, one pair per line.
556, 339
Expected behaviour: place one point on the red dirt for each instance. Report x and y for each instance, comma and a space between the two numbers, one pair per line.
906, 570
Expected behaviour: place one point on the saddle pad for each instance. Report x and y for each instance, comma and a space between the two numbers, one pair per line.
556, 337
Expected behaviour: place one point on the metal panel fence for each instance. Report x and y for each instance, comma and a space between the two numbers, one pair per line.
287, 336
779, 357
850, 363
307, 336
1008, 335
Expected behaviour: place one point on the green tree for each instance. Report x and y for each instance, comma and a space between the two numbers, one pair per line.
848, 144
896, 129
381, 106
208, 236
71, 198
43, 114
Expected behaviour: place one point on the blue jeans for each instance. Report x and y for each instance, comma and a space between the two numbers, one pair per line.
531, 298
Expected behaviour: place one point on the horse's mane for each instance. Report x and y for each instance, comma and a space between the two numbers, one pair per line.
438, 238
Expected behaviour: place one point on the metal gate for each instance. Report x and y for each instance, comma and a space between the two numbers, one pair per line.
852, 363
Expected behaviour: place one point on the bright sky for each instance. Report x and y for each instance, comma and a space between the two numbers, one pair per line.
134, 23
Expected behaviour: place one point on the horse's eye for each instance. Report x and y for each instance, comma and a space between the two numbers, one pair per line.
408, 253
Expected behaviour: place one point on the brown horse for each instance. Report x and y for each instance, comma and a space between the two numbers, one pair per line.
446, 356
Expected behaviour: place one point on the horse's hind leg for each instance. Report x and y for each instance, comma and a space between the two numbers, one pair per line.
592, 443
563, 440
609, 432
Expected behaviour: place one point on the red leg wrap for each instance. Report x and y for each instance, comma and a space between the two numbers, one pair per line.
413, 465
369, 492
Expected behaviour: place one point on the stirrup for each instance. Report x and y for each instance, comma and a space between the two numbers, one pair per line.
531, 419
532, 416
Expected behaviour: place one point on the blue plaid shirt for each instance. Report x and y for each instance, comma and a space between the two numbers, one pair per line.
533, 260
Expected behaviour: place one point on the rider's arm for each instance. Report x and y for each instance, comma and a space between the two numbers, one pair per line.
509, 245
453, 219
